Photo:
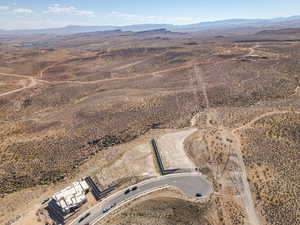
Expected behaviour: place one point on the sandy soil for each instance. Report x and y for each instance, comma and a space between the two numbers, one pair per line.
136, 162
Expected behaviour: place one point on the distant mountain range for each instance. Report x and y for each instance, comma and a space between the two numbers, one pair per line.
280, 32
276, 23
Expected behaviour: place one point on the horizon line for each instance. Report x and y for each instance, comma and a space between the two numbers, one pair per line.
139, 24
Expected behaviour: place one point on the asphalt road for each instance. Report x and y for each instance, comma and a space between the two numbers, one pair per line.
188, 183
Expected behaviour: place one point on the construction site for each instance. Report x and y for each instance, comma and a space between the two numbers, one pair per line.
65, 203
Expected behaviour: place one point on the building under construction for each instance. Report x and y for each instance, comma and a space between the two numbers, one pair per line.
72, 196
66, 202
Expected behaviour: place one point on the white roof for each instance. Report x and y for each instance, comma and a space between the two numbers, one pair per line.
72, 195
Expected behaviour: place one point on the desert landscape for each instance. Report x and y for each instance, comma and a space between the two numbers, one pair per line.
88, 104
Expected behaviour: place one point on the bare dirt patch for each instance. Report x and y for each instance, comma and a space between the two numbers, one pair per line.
171, 148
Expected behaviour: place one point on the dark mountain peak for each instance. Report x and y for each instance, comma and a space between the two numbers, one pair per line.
161, 31
280, 31
154, 31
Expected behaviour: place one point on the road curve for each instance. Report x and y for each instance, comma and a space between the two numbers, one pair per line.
188, 183
32, 83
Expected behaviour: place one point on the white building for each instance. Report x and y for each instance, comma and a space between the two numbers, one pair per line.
72, 196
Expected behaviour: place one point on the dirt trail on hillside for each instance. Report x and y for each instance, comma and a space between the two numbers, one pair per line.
32, 82
249, 124
240, 173
244, 187
235, 177
197, 77
41, 73
35, 80
200, 79
253, 49
242, 176
101, 80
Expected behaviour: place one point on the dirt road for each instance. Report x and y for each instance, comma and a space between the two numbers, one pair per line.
244, 187
249, 124
239, 173
32, 82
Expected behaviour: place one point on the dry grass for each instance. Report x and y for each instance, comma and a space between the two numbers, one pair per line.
271, 154
52, 129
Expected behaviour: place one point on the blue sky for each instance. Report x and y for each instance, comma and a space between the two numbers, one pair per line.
27, 14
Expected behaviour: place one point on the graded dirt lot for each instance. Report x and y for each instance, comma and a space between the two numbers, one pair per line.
88, 104
172, 151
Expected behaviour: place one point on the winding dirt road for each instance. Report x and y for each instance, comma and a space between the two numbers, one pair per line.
246, 192
240, 174
249, 124
32, 82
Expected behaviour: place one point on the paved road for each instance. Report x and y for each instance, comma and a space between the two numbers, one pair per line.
188, 183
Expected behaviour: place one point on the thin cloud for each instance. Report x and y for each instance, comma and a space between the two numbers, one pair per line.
185, 20
86, 13
57, 9
136, 18
4, 8
22, 11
